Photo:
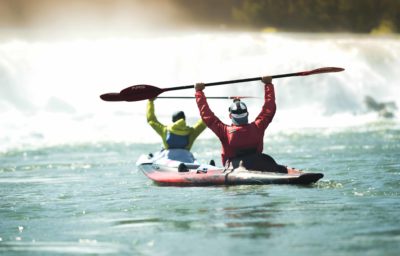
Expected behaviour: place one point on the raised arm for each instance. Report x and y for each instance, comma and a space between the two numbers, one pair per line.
207, 115
198, 128
269, 108
152, 119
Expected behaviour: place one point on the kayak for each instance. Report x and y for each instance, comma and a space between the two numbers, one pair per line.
163, 170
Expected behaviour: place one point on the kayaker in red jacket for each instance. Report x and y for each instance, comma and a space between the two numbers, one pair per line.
241, 138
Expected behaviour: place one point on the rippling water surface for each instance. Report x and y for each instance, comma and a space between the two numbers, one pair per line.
84, 199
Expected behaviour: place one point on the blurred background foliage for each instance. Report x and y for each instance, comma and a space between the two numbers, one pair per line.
357, 16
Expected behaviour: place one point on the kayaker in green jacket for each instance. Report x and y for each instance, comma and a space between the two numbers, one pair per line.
176, 135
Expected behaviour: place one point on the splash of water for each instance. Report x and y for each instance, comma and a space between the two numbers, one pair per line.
49, 89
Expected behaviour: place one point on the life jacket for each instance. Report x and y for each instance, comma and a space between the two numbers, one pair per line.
236, 146
177, 135
176, 141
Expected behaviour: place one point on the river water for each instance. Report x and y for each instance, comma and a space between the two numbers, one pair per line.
68, 180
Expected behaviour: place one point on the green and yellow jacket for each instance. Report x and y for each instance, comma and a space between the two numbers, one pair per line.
177, 134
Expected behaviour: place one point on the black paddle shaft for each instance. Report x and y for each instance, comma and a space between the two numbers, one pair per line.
304, 73
231, 81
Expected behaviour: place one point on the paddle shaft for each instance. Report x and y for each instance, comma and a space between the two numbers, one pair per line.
233, 81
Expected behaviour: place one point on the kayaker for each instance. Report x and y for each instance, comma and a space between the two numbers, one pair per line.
177, 135
241, 139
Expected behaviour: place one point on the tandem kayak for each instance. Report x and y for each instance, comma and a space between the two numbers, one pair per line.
179, 168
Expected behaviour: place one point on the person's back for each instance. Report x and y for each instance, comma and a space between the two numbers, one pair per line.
177, 135
241, 138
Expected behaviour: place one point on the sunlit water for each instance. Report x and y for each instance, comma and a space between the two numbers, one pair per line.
90, 199
68, 181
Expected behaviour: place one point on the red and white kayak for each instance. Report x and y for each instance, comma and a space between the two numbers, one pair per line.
164, 171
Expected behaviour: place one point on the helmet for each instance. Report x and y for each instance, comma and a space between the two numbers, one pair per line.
178, 115
239, 113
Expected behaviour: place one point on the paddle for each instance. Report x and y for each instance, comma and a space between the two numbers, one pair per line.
118, 97
145, 92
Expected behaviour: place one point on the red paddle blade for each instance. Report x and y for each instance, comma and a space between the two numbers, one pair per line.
321, 70
140, 92
112, 97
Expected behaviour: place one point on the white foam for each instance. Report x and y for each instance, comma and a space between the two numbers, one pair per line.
49, 91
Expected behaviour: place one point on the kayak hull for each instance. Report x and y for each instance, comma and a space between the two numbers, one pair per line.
166, 173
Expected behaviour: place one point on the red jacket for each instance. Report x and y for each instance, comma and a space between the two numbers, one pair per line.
237, 139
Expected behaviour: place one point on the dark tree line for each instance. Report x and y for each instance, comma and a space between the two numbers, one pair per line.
360, 16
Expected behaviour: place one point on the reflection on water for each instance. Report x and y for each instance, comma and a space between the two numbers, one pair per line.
83, 246
134, 223
252, 221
